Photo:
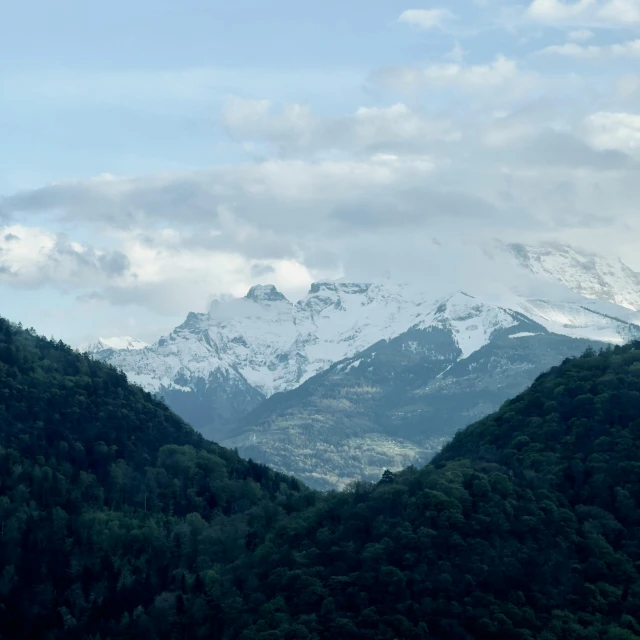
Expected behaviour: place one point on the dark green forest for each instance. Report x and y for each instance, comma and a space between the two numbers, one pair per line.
119, 521
116, 518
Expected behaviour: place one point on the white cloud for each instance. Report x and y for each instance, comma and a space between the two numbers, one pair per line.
283, 196
620, 131
359, 193
171, 272
580, 35
500, 71
290, 222
587, 13
628, 86
293, 129
164, 270
506, 131
558, 11
32, 256
482, 78
457, 54
426, 18
376, 127
293, 125
621, 12
630, 49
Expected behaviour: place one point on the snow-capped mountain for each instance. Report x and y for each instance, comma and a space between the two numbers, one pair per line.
272, 344
220, 364
398, 401
588, 274
245, 349
118, 343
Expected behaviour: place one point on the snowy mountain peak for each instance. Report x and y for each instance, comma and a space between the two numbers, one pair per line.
265, 294
327, 297
340, 287
263, 344
583, 272
117, 343
457, 300
471, 320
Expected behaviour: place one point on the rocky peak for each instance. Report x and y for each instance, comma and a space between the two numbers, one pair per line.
583, 272
339, 287
265, 293
116, 343
471, 320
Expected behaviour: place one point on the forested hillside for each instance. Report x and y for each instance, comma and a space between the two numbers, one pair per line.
394, 404
526, 526
114, 514
119, 521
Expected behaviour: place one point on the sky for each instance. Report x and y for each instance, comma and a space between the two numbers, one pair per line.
155, 155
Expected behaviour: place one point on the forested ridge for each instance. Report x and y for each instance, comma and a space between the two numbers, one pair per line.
114, 514
394, 403
119, 521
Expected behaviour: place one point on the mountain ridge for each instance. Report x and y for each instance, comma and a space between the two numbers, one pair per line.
115, 343
120, 521
100, 484
397, 402
585, 272
217, 365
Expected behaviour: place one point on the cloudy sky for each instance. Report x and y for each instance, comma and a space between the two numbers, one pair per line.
154, 154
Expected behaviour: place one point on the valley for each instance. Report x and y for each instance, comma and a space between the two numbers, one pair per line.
356, 378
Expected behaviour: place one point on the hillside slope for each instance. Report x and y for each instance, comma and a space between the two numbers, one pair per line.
526, 526
119, 521
399, 401
107, 498
589, 274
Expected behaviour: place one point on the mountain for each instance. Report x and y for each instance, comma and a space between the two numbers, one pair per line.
217, 366
124, 343
109, 501
191, 372
586, 273
399, 401
117, 520
225, 371
220, 364
526, 526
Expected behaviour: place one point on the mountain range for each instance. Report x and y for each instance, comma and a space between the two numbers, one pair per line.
359, 377
118, 520
118, 343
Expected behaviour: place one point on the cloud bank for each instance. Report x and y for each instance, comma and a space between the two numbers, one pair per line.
443, 154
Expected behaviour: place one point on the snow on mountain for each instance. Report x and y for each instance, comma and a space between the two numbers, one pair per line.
126, 343
470, 320
587, 274
272, 345
250, 348
588, 321
473, 320
269, 342
398, 401
349, 317
390, 370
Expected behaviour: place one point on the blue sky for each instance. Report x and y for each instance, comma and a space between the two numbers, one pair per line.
127, 87
154, 154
